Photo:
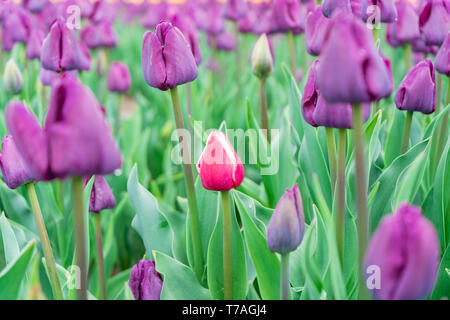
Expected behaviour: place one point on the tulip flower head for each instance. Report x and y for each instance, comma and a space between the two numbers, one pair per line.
406, 27
167, 59
287, 224
101, 195
434, 21
12, 78
261, 59
14, 169
119, 78
385, 8
315, 31
330, 6
145, 283
190, 32
235, 9
219, 167
405, 248
442, 61
285, 15
417, 91
101, 35
34, 44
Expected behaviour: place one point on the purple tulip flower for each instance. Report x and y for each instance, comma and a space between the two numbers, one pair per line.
209, 17
101, 197
235, 9
119, 78
405, 250
145, 283
285, 15
190, 32
330, 6
417, 91
34, 44
224, 41
101, 35
406, 28
387, 10
17, 24
434, 21
442, 60
167, 59
315, 31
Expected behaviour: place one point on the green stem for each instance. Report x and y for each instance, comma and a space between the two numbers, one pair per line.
80, 236
190, 188
407, 57
45, 242
361, 194
291, 40
100, 260
331, 145
340, 193
284, 276
406, 132
227, 247
263, 105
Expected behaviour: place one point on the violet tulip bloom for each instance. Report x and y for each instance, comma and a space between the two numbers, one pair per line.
60, 50
405, 250
387, 10
287, 224
315, 31
34, 6
406, 28
18, 25
434, 21
85, 57
190, 32
167, 59
224, 42
417, 91
101, 197
442, 60
330, 6
209, 17
235, 9
34, 44
75, 141
101, 35
351, 71
285, 15
145, 283
219, 166
119, 78
14, 169
318, 112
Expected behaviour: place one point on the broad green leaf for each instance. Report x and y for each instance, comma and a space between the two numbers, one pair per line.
9, 239
442, 287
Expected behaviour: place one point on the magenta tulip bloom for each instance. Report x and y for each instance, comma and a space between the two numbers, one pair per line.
86, 60
417, 91
209, 17
18, 25
219, 166
224, 41
14, 169
235, 9
101, 197
258, 19
434, 21
101, 35
285, 15
75, 141
7, 42
351, 71
287, 224
190, 32
145, 283
318, 112
119, 78
442, 60
34, 44
406, 28
388, 11
48, 77
60, 50
167, 59
419, 45
405, 249
315, 31
102, 11
330, 6
34, 6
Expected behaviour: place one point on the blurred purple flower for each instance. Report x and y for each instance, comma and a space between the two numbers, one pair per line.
34, 44
434, 21
235, 9
442, 60
315, 31
119, 78
101, 197
100, 35
145, 283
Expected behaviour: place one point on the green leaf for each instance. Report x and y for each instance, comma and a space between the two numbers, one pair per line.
442, 287
9, 240
12, 275
179, 281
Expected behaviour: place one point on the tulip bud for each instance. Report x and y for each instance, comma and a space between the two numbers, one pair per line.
101, 35
101, 195
417, 91
434, 21
315, 31
406, 28
318, 112
17, 25
209, 17
119, 78
12, 78
167, 59
285, 15
60, 50
235, 9
34, 44
287, 224
219, 166
224, 41
145, 283
262, 62
330, 6
351, 71
442, 61
14, 169
405, 250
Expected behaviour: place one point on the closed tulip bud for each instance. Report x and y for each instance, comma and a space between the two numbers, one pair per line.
14, 169
18, 25
60, 50
406, 28
351, 71
190, 32
219, 166
209, 17
285, 15
101, 197
34, 44
319, 113
330, 6
417, 91
119, 78
167, 59
419, 45
145, 283
262, 61
12, 78
235, 9
434, 21
442, 60
101, 35
224, 42
287, 224
315, 31
405, 249
359, 8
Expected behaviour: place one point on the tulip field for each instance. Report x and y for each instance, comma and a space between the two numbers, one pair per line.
225, 150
